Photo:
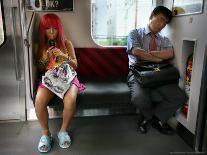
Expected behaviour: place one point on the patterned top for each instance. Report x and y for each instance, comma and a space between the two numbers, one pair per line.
44, 63
140, 38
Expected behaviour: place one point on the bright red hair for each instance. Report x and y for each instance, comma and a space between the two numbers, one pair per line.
46, 21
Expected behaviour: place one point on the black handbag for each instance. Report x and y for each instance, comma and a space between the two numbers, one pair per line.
155, 74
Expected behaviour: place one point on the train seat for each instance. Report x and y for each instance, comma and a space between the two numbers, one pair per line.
104, 72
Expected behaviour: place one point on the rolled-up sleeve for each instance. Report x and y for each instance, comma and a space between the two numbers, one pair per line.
166, 44
133, 40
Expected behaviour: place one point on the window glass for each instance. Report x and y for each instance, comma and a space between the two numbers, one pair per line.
112, 20
1, 26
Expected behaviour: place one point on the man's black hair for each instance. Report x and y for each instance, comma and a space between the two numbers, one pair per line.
165, 11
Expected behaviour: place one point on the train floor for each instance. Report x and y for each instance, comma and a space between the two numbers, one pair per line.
108, 135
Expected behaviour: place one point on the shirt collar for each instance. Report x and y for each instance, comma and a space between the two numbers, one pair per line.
148, 31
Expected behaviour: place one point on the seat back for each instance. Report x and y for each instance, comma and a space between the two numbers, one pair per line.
102, 63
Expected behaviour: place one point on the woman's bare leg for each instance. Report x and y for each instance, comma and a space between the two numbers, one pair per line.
69, 106
42, 98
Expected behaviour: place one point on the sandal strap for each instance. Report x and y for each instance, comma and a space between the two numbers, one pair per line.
45, 141
64, 137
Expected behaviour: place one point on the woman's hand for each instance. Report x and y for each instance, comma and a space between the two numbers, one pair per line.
56, 52
50, 53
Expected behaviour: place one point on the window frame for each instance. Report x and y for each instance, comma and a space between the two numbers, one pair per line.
3, 22
117, 38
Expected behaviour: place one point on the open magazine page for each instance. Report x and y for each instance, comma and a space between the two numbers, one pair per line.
58, 80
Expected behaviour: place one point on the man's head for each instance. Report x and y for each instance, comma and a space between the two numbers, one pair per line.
159, 17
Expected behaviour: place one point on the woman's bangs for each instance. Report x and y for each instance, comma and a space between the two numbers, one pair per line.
54, 23
50, 23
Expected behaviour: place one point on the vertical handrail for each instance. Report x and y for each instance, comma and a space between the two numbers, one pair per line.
16, 60
23, 21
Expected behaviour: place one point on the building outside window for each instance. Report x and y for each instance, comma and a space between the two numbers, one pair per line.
112, 20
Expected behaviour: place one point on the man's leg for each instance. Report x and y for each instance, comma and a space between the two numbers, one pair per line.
140, 98
172, 99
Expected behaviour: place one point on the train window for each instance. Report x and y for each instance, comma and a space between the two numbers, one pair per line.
1, 25
112, 20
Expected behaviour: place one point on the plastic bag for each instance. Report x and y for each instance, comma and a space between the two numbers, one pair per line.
58, 79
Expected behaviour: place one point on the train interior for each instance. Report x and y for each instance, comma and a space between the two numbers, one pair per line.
105, 122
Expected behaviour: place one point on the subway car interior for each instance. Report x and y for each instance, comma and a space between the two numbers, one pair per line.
105, 120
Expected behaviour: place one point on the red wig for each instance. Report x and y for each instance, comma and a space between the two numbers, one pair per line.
46, 21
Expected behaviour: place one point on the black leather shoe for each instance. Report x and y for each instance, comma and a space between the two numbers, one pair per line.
163, 128
142, 126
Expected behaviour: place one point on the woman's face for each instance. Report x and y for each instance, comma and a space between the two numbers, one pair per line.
157, 23
51, 33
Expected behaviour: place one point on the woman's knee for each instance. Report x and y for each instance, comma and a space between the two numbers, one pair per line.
69, 101
42, 98
71, 94
40, 104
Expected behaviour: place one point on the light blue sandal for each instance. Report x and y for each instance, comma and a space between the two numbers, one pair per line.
64, 140
45, 142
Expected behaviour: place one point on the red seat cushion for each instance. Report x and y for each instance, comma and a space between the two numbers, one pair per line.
107, 62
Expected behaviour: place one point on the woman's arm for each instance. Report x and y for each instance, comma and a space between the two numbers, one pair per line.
71, 54
68, 55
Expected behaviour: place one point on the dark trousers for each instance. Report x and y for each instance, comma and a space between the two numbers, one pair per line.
162, 101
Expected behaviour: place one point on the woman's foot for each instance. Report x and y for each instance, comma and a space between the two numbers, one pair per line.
64, 139
45, 144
